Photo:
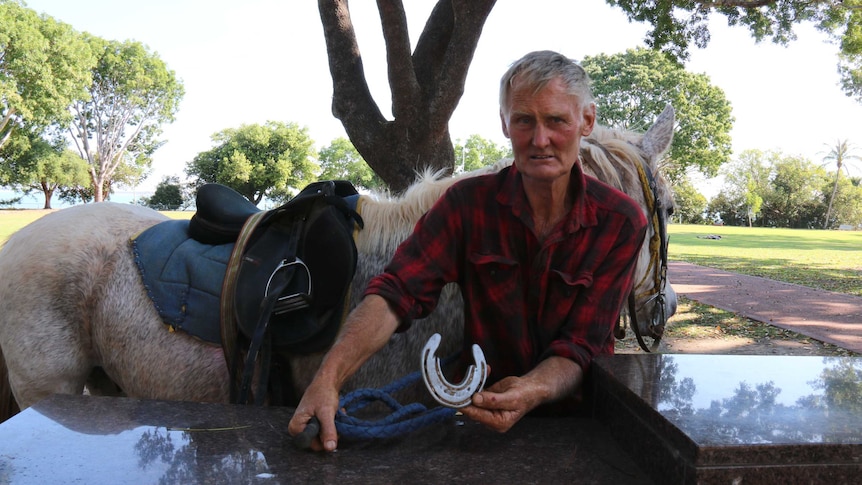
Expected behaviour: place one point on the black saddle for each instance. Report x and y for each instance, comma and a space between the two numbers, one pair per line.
288, 276
221, 213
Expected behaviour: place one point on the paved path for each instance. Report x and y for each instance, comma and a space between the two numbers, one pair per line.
830, 317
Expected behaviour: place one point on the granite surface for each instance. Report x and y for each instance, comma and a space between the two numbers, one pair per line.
98, 440
735, 418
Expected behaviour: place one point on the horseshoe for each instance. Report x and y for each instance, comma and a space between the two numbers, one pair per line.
444, 392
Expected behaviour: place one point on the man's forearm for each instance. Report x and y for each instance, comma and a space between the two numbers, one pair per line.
555, 378
367, 329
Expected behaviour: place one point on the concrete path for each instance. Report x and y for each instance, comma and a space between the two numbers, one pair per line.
830, 317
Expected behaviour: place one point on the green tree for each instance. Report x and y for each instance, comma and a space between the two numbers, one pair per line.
703, 114
689, 204
340, 160
273, 160
840, 153
727, 208
794, 198
168, 195
44, 167
44, 64
477, 152
747, 180
677, 25
132, 95
847, 206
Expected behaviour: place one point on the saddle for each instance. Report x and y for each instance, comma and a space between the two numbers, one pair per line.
287, 279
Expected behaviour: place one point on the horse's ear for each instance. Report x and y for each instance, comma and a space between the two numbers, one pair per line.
658, 137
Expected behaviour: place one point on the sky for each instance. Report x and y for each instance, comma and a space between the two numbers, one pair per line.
259, 60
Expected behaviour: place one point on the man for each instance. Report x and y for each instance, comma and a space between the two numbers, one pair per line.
543, 254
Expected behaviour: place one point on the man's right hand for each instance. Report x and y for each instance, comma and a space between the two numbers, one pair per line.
319, 404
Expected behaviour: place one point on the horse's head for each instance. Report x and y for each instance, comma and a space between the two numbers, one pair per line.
629, 161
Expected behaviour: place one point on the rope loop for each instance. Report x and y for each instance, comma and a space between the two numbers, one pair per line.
403, 420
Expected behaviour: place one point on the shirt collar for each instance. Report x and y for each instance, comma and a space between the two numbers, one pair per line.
583, 212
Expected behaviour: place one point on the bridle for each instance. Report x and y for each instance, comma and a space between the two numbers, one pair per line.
657, 268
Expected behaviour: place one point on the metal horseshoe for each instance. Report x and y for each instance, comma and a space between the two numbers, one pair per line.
444, 392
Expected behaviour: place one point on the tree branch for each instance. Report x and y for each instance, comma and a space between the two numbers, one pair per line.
402, 78
351, 99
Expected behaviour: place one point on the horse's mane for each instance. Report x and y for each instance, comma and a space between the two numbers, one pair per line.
613, 156
610, 155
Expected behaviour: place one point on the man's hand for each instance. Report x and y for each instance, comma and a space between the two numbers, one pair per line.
321, 403
502, 405
507, 401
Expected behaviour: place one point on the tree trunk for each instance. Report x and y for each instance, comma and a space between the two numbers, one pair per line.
426, 85
832, 198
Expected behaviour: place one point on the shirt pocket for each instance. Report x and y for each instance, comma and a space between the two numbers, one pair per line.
498, 279
564, 288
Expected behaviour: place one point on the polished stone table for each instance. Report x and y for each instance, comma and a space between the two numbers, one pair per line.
653, 418
97, 440
735, 419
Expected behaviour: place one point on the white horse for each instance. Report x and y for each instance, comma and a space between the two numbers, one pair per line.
74, 313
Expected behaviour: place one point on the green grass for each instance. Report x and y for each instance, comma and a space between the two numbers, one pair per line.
828, 260
13, 219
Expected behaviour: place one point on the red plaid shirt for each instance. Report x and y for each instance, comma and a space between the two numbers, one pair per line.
525, 300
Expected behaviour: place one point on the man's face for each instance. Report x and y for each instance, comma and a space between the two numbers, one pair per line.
546, 129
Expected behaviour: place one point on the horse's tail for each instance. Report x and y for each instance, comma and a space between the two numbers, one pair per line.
8, 405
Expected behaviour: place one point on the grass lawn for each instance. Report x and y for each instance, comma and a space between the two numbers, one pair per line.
829, 260
13, 219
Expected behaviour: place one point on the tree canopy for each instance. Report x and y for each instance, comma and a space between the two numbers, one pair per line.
341, 161
44, 64
632, 88
272, 160
771, 189
133, 93
678, 25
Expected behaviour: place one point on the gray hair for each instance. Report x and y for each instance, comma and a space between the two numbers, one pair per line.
538, 68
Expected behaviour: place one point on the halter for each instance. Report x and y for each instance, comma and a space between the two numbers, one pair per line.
657, 269
657, 264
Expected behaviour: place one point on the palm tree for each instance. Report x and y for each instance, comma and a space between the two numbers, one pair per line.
840, 153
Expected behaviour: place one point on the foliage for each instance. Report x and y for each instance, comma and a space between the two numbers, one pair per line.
477, 152
340, 160
272, 160
747, 180
794, 197
632, 88
44, 64
133, 93
44, 167
689, 204
168, 195
777, 190
677, 25
840, 153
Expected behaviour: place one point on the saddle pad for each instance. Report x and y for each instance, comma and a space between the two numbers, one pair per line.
183, 277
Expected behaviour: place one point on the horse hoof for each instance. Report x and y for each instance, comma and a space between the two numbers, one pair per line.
444, 392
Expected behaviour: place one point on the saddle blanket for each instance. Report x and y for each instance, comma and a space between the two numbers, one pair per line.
183, 277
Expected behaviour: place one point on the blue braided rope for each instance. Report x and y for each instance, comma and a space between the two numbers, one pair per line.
403, 420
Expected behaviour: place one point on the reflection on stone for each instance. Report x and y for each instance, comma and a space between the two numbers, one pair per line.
100, 440
741, 411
